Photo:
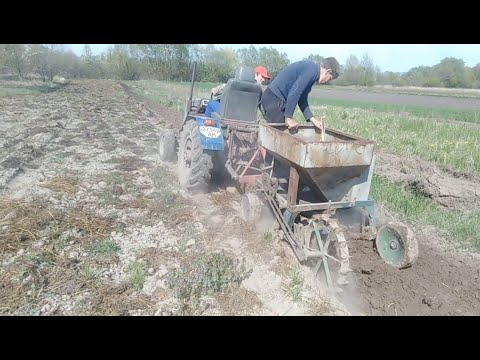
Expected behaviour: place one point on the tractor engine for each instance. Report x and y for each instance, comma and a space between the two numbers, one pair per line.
199, 105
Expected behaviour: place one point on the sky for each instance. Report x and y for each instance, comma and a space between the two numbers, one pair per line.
389, 57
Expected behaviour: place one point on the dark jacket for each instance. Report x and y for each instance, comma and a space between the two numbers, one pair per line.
293, 84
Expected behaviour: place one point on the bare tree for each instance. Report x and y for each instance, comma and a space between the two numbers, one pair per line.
14, 57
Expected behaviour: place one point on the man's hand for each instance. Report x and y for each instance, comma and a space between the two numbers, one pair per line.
317, 123
291, 124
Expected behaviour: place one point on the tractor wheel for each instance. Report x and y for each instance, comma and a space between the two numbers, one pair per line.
396, 244
194, 164
166, 145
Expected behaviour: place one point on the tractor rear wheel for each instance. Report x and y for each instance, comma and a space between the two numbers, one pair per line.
194, 164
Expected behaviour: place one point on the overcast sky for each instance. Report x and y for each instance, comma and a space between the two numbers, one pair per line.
389, 57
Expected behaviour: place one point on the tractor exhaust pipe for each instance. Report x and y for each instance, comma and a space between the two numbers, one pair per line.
189, 103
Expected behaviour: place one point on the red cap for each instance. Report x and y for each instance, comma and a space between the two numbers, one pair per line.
262, 71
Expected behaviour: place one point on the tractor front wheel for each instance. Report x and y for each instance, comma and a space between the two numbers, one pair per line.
194, 164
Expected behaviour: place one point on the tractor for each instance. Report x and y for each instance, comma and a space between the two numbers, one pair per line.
304, 177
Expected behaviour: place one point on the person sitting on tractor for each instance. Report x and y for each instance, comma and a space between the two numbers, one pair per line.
291, 88
261, 77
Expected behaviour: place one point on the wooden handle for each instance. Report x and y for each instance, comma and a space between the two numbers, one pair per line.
323, 130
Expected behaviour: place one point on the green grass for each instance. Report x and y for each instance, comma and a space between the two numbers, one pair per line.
267, 236
206, 274
293, 286
420, 111
173, 94
450, 144
170, 94
136, 274
5, 91
405, 130
465, 229
105, 247
13, 88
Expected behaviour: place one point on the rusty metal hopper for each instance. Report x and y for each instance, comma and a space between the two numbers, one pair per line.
338, 168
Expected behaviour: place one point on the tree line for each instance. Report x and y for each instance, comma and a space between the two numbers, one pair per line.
173, 62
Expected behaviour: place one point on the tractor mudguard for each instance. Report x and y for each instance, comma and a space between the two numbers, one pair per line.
211, 135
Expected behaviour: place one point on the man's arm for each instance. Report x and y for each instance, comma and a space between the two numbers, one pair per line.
297, 92
304, 106
217, 91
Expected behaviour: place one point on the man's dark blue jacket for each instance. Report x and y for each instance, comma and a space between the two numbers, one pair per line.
293, 84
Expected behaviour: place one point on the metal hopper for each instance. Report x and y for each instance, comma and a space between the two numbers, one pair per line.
336, 169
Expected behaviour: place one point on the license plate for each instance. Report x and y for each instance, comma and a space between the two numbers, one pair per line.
210, 132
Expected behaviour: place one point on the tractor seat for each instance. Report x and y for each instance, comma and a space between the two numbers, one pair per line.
241, 96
